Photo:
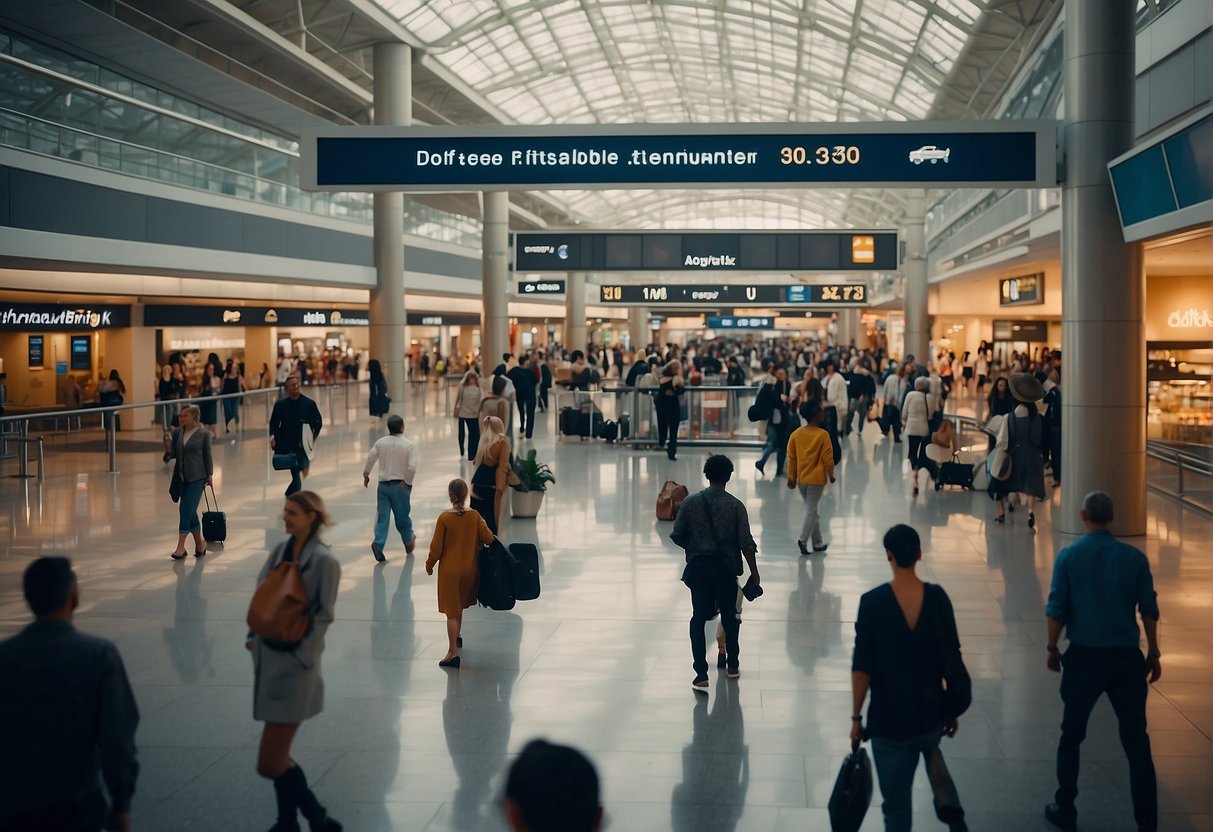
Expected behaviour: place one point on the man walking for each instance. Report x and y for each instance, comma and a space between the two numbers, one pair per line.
525, 387
397, 458
288, 421
1052, 423
67, 716
1099, 586
836, 403
713, 528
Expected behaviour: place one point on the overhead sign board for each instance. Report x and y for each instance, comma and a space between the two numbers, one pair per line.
1031, 331
53, 317
635, 251
872, 154
540, 287
650, 294
1026, 290
251, 316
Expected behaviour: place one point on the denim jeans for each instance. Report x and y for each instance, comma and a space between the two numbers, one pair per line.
191, 495
712, 590
776, 444
896, 762
811, 529
393, 498
1120, 672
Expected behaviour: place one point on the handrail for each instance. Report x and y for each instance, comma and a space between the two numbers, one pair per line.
110, 425
1185, 462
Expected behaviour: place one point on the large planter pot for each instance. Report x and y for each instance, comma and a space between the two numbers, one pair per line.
525, 503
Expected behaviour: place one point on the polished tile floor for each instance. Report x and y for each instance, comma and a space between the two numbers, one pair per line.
601, 660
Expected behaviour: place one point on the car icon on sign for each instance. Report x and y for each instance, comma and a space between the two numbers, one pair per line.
930, 153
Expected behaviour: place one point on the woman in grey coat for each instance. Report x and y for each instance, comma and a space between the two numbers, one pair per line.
287, 685
1024, 426
191, 446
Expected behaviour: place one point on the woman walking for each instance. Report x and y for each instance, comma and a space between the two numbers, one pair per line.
495, 403
233, 382
168, 389
1000, 402
1024, 427
191, 446
916, 424
467, 411
669, 408
810, 467
491, 472
209, 410
457, 536
287, 685
111, 392
780, 392
379, 399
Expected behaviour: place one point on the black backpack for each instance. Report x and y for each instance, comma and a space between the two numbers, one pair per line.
496, 577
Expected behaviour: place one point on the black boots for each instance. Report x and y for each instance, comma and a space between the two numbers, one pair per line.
292, 786
287, 810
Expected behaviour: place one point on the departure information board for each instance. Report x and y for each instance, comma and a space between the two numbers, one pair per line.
651, 294
871, 154
699, 251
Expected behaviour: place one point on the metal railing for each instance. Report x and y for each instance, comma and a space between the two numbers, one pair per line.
1185, 465
334, 400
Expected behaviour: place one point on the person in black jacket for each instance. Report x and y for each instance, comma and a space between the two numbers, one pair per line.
905, 634
287, 422
1052, 423
525, 384
379, 399
67, 716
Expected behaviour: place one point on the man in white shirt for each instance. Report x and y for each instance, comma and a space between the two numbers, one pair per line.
836, 402
397, 458
286, 369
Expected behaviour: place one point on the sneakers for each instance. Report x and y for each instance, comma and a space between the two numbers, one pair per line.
411, 545
1062, 816
700, 684
377, 551
804, 549
734, 673
819, 549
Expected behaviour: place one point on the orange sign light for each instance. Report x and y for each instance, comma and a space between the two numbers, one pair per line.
863, 249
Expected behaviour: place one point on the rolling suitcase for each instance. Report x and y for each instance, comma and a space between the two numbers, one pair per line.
568, 421
625, 426
526, 571
496, 577
954, 473
214, 522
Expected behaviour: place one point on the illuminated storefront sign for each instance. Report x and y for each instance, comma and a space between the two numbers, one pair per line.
637, 294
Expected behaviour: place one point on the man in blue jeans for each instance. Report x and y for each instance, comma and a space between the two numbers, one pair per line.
1099, 586
908, 714
397, 458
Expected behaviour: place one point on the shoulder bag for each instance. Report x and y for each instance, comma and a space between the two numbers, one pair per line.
280, 612
958, 685
178, 480
670, 500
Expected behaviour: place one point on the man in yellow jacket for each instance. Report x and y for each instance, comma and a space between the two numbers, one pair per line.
810, 465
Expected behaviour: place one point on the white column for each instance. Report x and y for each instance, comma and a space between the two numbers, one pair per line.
495, 322
918, 324
393, 105
638, 327
1103, 384
574, 312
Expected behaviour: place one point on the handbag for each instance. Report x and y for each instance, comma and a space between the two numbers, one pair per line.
178, 481
279, 611
852, 793
214, 523
286, 461
875, 410
670, 499
958, 685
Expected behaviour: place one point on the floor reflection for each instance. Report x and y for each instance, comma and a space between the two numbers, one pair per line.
189, 648
715, 765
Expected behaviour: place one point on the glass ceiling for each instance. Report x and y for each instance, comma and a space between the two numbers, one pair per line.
687, 61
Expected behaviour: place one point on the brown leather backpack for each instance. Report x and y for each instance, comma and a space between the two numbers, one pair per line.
670, 500
280, 611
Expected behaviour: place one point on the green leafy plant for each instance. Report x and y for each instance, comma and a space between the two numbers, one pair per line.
532, 475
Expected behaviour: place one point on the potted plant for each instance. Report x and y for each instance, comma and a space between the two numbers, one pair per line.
532, 481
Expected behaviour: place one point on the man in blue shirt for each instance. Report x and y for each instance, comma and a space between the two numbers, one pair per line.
1099, 586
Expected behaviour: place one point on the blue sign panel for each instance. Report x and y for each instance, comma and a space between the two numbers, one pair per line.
717, 322
642, 156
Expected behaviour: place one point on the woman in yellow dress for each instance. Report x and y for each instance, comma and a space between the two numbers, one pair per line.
457, 538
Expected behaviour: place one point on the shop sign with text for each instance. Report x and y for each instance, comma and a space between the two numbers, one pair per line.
52, 317
254, 316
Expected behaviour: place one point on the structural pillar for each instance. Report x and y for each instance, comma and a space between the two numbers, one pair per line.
918, 323
495, 322
638, 327
574, 312
1103, 286
393, 105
